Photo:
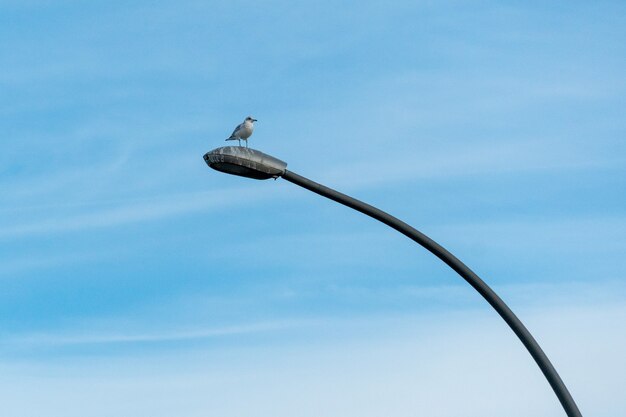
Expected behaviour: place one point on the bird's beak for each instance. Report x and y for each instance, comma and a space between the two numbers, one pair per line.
254, 120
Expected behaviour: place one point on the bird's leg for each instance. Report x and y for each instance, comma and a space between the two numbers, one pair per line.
239, 140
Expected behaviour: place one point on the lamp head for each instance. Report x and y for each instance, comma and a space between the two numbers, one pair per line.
245, 162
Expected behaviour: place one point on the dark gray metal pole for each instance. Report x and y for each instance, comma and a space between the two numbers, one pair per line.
255, 164
479, 285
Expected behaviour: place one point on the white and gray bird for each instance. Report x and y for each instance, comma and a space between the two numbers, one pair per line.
243, 130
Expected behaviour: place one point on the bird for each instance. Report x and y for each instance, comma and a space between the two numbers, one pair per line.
243, 130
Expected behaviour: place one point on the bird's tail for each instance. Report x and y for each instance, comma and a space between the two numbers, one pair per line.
232, 138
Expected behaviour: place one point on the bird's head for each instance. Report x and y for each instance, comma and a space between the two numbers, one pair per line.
250, 119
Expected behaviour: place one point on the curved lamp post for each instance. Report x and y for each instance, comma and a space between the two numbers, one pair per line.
251, 163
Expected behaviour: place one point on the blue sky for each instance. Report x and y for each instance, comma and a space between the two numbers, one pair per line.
136, 281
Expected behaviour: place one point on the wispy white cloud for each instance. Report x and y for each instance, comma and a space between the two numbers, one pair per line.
469, 160
47, 261
587, 239
52, 183
443, 365
185, 326
147, 210
141, 336
578, 234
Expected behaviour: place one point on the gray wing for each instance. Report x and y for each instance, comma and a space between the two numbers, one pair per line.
234, 134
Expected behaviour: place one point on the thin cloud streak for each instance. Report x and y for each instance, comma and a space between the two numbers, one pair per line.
46, 262
530, 298
389, 368
474, 160
170, 206
87, 338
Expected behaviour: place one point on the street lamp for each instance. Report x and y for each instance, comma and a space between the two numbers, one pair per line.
251, 163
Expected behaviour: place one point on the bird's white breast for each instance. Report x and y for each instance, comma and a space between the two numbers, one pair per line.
246, 130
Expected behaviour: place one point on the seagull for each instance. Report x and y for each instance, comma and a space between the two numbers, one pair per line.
243, 131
